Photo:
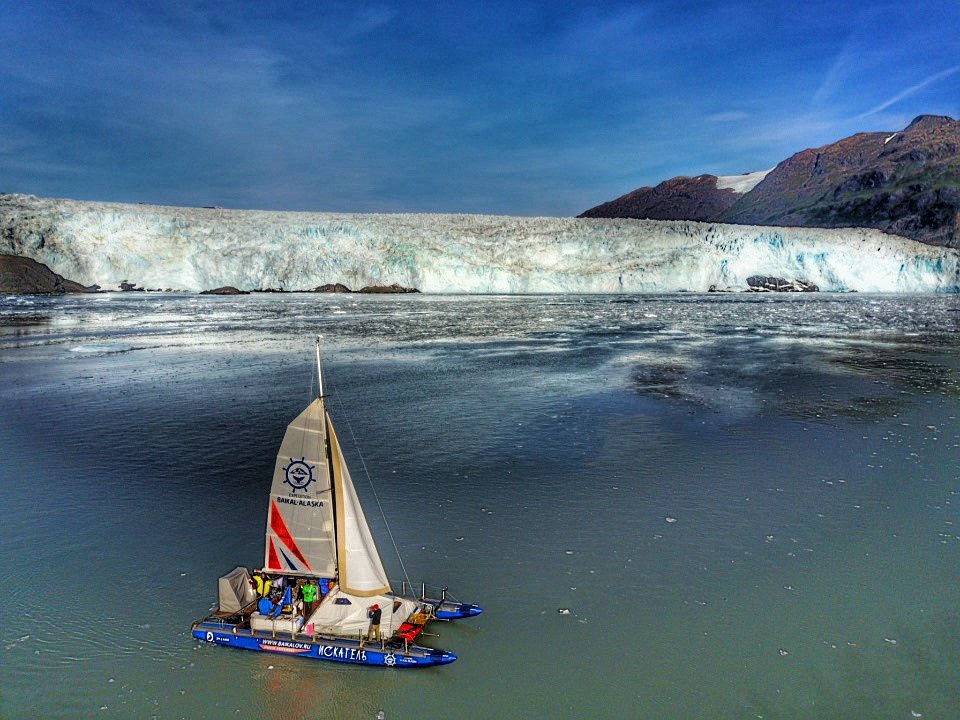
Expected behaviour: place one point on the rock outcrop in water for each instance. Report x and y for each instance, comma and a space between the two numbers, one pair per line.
26, 276
225, 290
332, 288
394, 288
768, 283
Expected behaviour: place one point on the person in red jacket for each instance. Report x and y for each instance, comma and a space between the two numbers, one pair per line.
374, 614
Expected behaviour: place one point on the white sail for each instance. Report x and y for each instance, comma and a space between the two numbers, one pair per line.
361, 572
300, 526
315, 523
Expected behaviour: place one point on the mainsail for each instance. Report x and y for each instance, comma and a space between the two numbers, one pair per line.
315, 523
300, 525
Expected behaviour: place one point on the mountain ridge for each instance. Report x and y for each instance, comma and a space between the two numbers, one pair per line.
903, 183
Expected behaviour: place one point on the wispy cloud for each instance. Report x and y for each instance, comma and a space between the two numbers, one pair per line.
728, 116
929, 80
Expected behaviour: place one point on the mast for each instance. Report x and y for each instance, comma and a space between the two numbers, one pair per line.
301, 533
319, 368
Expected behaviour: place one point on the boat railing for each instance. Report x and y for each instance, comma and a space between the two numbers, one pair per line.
436, 594
221, 621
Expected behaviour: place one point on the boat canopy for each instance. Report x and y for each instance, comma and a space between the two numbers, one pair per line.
345, 614
235, 590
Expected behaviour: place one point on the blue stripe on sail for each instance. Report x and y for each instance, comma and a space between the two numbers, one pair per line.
289, 561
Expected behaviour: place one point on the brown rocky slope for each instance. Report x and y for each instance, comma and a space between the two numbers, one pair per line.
680, 198
905, 183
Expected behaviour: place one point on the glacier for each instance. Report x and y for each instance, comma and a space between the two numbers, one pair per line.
195, 249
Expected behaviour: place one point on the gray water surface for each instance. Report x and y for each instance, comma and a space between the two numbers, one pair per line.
749, 504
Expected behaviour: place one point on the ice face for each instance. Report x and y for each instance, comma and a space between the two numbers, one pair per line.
201, 248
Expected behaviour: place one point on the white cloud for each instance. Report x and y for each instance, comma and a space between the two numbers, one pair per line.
929, 80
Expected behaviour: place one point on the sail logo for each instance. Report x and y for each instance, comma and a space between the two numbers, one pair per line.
299, 474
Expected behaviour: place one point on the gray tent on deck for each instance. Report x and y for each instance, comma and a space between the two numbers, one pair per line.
236, 592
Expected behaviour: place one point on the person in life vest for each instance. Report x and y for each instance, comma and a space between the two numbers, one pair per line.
374, 614
310, 591
261, 583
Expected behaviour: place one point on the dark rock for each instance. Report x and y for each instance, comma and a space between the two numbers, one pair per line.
765, 283
332, 288
269, 290
25, 276
225, 290
130, 287
394, 288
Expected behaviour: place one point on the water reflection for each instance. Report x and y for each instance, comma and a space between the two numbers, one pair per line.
812, 378
23, 325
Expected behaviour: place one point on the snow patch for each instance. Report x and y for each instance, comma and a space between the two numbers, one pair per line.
741, 183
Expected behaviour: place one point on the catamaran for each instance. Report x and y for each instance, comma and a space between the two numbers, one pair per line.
317, 533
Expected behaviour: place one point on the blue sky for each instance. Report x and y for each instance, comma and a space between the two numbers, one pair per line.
518, 108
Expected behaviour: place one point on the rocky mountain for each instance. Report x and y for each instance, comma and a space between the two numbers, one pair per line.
680, 198
904, 183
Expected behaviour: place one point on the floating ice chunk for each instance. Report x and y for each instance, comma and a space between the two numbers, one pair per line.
670, 519
564, 611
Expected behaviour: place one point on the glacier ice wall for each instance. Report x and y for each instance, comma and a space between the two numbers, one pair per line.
202, 248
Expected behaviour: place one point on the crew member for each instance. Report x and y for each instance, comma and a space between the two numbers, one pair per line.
265, 606
261, 583
374, 614
309, 591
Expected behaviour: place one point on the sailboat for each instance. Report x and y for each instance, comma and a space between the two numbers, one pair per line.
316, 532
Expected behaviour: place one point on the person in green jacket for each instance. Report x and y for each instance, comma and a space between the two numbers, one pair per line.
310, 591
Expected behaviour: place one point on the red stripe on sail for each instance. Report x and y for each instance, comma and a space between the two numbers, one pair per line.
274, 562
279, 528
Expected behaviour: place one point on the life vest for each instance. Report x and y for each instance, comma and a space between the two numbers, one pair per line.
262, 585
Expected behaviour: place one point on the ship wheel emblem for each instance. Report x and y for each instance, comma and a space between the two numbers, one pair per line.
390, 660
299, 474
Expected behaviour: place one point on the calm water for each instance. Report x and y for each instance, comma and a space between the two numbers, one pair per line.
749, 504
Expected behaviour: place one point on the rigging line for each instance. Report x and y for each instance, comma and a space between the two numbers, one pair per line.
363, 464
